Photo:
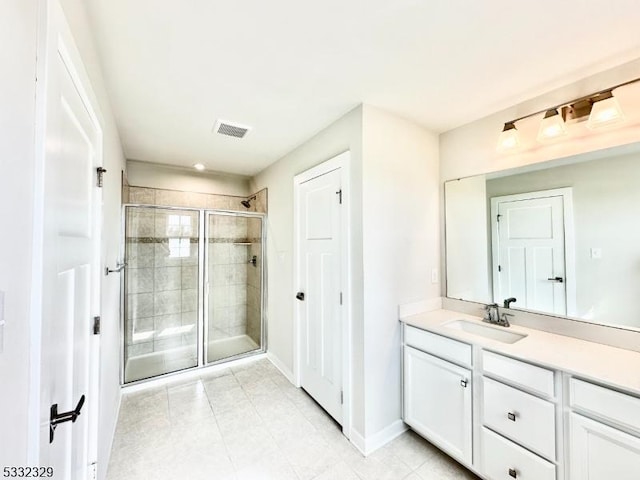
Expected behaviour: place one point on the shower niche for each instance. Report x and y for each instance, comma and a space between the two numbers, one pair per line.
193, 289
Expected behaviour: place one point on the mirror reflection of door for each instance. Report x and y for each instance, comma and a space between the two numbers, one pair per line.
529, 245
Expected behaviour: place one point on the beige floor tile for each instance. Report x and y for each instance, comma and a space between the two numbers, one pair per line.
248, 422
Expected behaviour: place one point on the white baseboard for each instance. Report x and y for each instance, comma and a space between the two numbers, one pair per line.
279, 364
373, 442
422, 306
103, 464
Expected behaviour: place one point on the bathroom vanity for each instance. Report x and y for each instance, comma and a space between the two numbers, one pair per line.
521, 403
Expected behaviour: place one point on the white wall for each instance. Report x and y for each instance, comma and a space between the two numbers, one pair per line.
345, 134
471, 149
400, 248
114, 162
18, 26
394, 245
153, 175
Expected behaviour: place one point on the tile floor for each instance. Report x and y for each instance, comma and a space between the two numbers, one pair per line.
249, 423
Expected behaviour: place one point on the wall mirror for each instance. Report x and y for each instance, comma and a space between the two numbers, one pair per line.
560, 238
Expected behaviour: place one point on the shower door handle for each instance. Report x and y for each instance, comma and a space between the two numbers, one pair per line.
300, 296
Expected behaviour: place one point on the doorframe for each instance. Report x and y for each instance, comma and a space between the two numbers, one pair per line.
342, 162
55, 39
569, 238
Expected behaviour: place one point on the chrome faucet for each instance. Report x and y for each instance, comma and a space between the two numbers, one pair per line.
494, 316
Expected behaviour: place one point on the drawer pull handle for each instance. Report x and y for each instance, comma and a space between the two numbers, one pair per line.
463, 383
511, 416
513, 473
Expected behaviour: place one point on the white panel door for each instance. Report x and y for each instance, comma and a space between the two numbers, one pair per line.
71, 239
319, 246
437, 402
599, 452
531, 253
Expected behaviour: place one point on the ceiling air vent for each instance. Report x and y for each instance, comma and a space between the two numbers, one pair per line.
230, 129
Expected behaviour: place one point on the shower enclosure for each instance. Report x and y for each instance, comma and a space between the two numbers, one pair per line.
193, 289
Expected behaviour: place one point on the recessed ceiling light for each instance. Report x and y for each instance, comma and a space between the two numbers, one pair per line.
198, 166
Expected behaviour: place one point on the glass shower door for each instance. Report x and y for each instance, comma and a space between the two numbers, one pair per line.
233, 285
161, 286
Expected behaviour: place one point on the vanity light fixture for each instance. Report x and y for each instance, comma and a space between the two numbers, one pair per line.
509, 138
605, 111
599, 109
552, 126
198, 166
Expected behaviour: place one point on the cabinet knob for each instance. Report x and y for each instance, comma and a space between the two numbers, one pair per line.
464, 382
513, 473
511, 416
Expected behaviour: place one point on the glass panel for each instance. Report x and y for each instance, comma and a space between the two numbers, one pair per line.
234, 264
161, 285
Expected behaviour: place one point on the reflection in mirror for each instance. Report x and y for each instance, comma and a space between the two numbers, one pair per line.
562, 240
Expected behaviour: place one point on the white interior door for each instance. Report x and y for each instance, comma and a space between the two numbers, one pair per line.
319, 297
71, 259
529, 251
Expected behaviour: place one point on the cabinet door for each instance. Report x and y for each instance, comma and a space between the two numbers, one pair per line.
599, 452
437, 402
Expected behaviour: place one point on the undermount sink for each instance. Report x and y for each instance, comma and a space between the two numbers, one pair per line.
494, 333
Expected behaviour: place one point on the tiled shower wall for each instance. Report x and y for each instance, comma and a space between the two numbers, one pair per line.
227, 265
254, 280
162, 281
173, 198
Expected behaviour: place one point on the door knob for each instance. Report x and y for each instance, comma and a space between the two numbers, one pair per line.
58, 418
300, 296
556, 279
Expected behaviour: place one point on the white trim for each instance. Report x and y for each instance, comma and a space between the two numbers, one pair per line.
569, 240
368, 445
415, 308
112, 438
279, 364
343, 162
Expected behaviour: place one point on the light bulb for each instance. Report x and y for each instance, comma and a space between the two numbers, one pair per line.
605, 111
552, 126
509, 138
198, 166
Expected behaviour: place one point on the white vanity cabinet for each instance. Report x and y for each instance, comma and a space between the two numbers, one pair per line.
438, 393
607, 445
505, 418
518, 427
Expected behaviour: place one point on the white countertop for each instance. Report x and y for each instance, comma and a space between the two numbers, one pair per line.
592, 361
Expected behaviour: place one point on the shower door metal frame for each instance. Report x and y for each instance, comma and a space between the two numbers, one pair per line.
203, 314
205, 303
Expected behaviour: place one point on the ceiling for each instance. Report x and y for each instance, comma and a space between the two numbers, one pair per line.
289, 68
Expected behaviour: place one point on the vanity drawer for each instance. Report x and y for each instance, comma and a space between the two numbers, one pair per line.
504, 460
530, 377
616, 407
522, 417
438, 345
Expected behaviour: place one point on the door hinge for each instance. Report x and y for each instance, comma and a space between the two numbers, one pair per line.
341, 398
96, 325
339, 193
100, 176
498, 217
93, 471
499, 268
340, 298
